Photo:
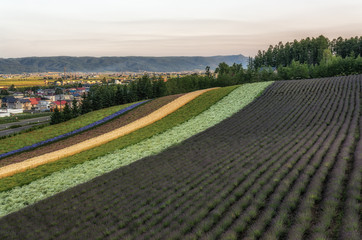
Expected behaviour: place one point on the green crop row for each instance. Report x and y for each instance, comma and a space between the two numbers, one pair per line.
183, 114
20, 197
29, 138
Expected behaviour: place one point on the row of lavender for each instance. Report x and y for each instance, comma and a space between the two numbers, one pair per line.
77, 131
287, 166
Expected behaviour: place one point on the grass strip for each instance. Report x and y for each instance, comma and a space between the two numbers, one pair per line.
117, 122
157, 115
74, 132
20, 197
33, 137
186, 112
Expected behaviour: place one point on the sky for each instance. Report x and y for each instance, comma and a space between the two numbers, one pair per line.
168, 27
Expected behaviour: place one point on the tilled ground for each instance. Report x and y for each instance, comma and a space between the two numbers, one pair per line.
123, 120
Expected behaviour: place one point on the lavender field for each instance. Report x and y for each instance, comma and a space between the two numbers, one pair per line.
287, 166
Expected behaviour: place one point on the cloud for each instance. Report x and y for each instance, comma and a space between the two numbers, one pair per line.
146, 28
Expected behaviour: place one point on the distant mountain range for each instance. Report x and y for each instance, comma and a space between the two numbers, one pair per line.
115, 64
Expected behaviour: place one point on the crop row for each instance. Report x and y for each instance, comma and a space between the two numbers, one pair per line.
53, 156
282, 167
232, 168
71, 133
183, 114
16, 198
68, 162
29, 138
276, 214
118, 122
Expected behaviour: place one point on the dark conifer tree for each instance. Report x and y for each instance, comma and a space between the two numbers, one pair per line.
75, 109
56, 117
86, 104
67, 113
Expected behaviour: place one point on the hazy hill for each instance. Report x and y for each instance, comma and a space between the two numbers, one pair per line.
114, 64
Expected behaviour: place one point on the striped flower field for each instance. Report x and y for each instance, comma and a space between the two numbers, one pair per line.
12, 169
284, 165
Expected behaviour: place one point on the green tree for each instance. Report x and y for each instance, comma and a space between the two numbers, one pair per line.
119, 95
86, 105
56, 117
67, 113
75, 108
222, 69
159, 88
4, 92
144, 87
58, 91
12, 88
207, 71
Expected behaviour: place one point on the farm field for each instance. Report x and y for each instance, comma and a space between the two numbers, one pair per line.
139, 112
287, 166
173, 129
24, 82
103, 139
26, 139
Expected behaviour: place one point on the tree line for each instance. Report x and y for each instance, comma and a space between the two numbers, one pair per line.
309, 51
107, 95
307, 58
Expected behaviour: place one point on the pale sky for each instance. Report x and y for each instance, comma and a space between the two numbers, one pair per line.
168, 27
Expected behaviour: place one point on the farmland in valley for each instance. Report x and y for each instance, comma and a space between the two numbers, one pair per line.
286, 166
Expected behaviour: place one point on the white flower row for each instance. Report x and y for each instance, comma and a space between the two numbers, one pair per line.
20, 197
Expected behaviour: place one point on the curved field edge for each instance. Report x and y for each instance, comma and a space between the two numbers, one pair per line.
186, 112
21, 197
74, 132
155, 116
29, 138
117, 122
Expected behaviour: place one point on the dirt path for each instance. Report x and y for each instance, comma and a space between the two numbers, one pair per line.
102, 139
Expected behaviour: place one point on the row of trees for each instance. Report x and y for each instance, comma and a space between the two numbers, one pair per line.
307, 58
67, 113
103, 96
329, 66
309, 51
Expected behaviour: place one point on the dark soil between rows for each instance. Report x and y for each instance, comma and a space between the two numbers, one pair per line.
255, 175
123, 120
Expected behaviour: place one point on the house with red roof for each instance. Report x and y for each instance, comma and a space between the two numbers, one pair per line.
34, 102
58, 104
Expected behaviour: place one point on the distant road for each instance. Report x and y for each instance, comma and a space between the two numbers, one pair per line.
26, 124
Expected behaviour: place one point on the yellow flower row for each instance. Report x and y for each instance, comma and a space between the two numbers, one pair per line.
102, 139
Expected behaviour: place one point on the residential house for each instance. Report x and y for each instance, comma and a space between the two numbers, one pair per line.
45, 92
77, 97
25, 104
44, 104
81, 90
61, 97
11, 102
34, 103
71, 91
58, 104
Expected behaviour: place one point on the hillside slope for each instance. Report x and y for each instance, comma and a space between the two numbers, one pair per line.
115, 64
287, 166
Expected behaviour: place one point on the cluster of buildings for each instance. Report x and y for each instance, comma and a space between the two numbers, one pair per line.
43, 100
